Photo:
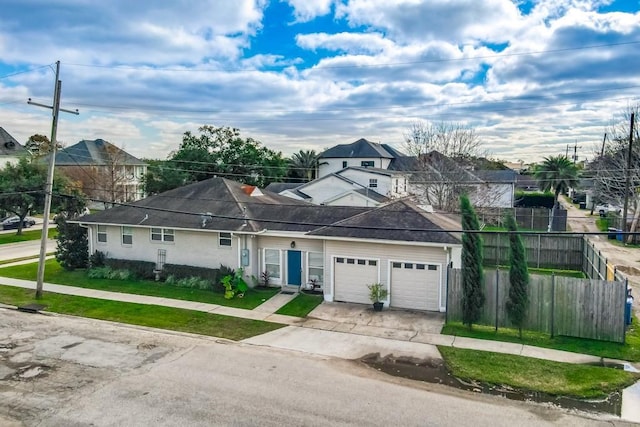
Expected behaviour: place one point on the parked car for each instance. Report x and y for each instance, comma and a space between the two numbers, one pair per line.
12, 222
605, 208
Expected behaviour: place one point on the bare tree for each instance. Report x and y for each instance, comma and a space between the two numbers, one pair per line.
444, 152
609, 168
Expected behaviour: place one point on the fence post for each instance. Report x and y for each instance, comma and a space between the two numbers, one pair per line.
539, 244
446, 295
553, 303
497, 289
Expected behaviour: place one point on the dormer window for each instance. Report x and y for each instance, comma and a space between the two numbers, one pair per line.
367, 163
373, 183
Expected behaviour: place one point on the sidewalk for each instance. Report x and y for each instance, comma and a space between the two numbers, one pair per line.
333, 339
310, 335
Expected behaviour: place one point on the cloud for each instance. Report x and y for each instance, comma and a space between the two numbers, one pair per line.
306, 10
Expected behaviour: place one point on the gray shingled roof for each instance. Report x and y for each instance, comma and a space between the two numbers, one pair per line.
278, 187
96, 153
507, 176
220, 204
9, 146
400, 220
361, 149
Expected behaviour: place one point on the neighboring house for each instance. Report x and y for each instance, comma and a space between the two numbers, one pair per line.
106, 172
219, 221
361, 153
10, 149
497, 189
527, 183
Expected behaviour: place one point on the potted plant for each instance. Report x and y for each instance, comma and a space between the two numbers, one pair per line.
377, 293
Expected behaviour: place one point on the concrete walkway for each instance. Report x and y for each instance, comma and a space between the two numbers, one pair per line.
344, 339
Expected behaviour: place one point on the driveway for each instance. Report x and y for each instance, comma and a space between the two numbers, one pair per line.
360, 319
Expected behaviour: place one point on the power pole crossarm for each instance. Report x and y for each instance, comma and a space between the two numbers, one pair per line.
49, 185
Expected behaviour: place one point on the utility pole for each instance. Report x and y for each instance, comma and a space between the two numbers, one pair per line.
49, 185
628, 175
604, 140
575, 153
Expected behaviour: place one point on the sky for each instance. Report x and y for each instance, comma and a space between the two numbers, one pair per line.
531, 77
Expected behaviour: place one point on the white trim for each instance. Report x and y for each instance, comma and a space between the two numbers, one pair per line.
122, 243
280, 280
308, 267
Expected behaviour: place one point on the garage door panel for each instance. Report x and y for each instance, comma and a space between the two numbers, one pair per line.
415, 285
351, 277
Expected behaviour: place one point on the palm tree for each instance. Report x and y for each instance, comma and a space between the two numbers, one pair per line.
304, 163
557, 174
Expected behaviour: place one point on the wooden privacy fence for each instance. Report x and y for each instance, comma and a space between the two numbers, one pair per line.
583, 308
526, 218
543, 250
596, 266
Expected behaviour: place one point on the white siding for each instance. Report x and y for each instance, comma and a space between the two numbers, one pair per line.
196, 248
284, 244
363, 177
329, 166
384, 253
328, 188
496, 195
352, 199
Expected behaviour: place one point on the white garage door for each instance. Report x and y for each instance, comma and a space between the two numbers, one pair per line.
415, 285
351, 277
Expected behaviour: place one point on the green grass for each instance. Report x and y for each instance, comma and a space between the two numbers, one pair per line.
497, 229
629, 351
56, 274
545, 271
140, 314
526, 373
26, 235
34, 258
301, 305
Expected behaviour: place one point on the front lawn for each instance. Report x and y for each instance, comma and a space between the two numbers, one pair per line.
54, 273
629, 351
154, 316
526, 373
301, 305
26, 235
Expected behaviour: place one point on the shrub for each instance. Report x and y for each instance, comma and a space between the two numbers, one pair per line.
139, 269
188, 282
110, 273
184, 271
234, 284
97, 259
534, 199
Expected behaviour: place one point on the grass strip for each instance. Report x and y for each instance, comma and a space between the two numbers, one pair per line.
26, 236
629, 351
54, 273
526, 373
301, 305
34, 258
233, 328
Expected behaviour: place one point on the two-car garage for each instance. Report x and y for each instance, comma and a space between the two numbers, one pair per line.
413, 285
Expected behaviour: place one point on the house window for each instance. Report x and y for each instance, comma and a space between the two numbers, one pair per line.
225, 239
316, 266
367, 163
127, 236
420, 266
397, 265
362, 262
340, 260
351, 261
373, 263
373, 183
162, 235
433, 267
102, 234
344, 164
408, 266
272, 263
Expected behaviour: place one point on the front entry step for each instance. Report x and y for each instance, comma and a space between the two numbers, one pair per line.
290, 290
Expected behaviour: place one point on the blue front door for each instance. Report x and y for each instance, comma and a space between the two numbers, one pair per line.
294, 268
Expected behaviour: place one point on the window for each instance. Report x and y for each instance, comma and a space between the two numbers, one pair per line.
340, 260
367, 163
272, 263
362, 262
373, 183
162, 234
127, 236
433, 267
344, 164
225, 239
351, 261
408, 266
102, 234
373, 263
420, 266
316, 266
397, 265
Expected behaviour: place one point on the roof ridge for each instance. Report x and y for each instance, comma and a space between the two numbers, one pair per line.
241, 206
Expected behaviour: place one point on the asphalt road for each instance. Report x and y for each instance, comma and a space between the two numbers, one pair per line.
63, 371
24, 249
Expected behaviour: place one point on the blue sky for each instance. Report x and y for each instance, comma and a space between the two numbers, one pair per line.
530, 77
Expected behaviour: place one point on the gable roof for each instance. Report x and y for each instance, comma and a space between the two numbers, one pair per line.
358, 188
377, 171
361, 149
94, 153
278, 187
218, 204
506, 176
9, 146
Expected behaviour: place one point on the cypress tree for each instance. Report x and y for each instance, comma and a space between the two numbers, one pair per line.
472, 273
73, 246
518, 277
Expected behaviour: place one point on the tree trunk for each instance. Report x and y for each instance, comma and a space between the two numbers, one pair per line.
634, 225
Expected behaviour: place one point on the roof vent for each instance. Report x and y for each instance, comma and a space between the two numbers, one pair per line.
204, 218
10, 144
